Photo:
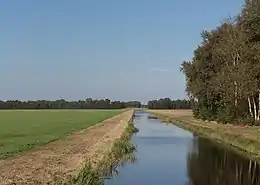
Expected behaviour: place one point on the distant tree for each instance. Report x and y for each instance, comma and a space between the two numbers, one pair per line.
133, 104
89, 103
167, 103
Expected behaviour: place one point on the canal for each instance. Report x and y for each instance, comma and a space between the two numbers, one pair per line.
169, 155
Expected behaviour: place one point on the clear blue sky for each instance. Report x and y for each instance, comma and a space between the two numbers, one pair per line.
119, 49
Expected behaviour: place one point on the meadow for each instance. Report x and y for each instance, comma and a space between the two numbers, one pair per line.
24, 129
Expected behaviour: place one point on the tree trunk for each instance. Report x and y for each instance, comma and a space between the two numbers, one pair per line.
236, 93
250, 107
258, 104
249, 169
253, 177
255, 111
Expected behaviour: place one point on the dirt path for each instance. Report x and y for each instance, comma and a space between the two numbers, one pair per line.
61, 158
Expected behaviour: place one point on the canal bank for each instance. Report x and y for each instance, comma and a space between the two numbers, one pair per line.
243, 139
169, 155
97, 169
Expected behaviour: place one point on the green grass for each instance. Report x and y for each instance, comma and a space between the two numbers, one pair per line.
24, 129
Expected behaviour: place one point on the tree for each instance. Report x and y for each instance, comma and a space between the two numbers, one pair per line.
89, 103
167, 103
223, 77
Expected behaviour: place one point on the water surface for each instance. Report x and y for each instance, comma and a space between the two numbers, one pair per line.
169, 155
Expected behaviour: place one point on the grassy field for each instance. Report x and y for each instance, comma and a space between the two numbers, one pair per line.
24, 129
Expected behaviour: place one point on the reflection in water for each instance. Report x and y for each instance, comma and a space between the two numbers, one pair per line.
169, 155
210, 164
152, 117
113, 171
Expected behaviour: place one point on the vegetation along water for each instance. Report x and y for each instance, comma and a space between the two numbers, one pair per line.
121, 151
167, 154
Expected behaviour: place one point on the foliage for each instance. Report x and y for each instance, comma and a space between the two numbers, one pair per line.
167, 103
21, 130
122, 150
223, 77
63, 104
131, 129
87, 176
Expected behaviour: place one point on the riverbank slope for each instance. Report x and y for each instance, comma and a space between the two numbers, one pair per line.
63, 158
244, 138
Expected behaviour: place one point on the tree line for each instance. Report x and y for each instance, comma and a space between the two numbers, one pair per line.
167, 103
63, 104
223, 77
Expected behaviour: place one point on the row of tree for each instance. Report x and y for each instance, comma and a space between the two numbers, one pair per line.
163, 103
223, 78
167, 103
63, 104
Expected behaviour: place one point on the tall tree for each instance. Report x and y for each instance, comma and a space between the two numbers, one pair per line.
223, 78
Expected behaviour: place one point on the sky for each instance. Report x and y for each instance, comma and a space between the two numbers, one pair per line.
117, 49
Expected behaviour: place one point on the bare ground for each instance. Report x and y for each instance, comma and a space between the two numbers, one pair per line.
59, 159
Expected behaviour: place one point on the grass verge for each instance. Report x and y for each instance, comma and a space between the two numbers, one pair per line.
24, 129
245, 146
121, 151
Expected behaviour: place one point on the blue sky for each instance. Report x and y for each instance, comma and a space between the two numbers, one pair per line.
119, 49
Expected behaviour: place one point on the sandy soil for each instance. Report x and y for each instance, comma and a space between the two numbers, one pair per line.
177, 113
57, 160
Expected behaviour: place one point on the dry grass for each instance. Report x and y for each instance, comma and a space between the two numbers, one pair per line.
246, 138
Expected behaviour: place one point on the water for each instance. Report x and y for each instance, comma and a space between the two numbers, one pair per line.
169, 155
